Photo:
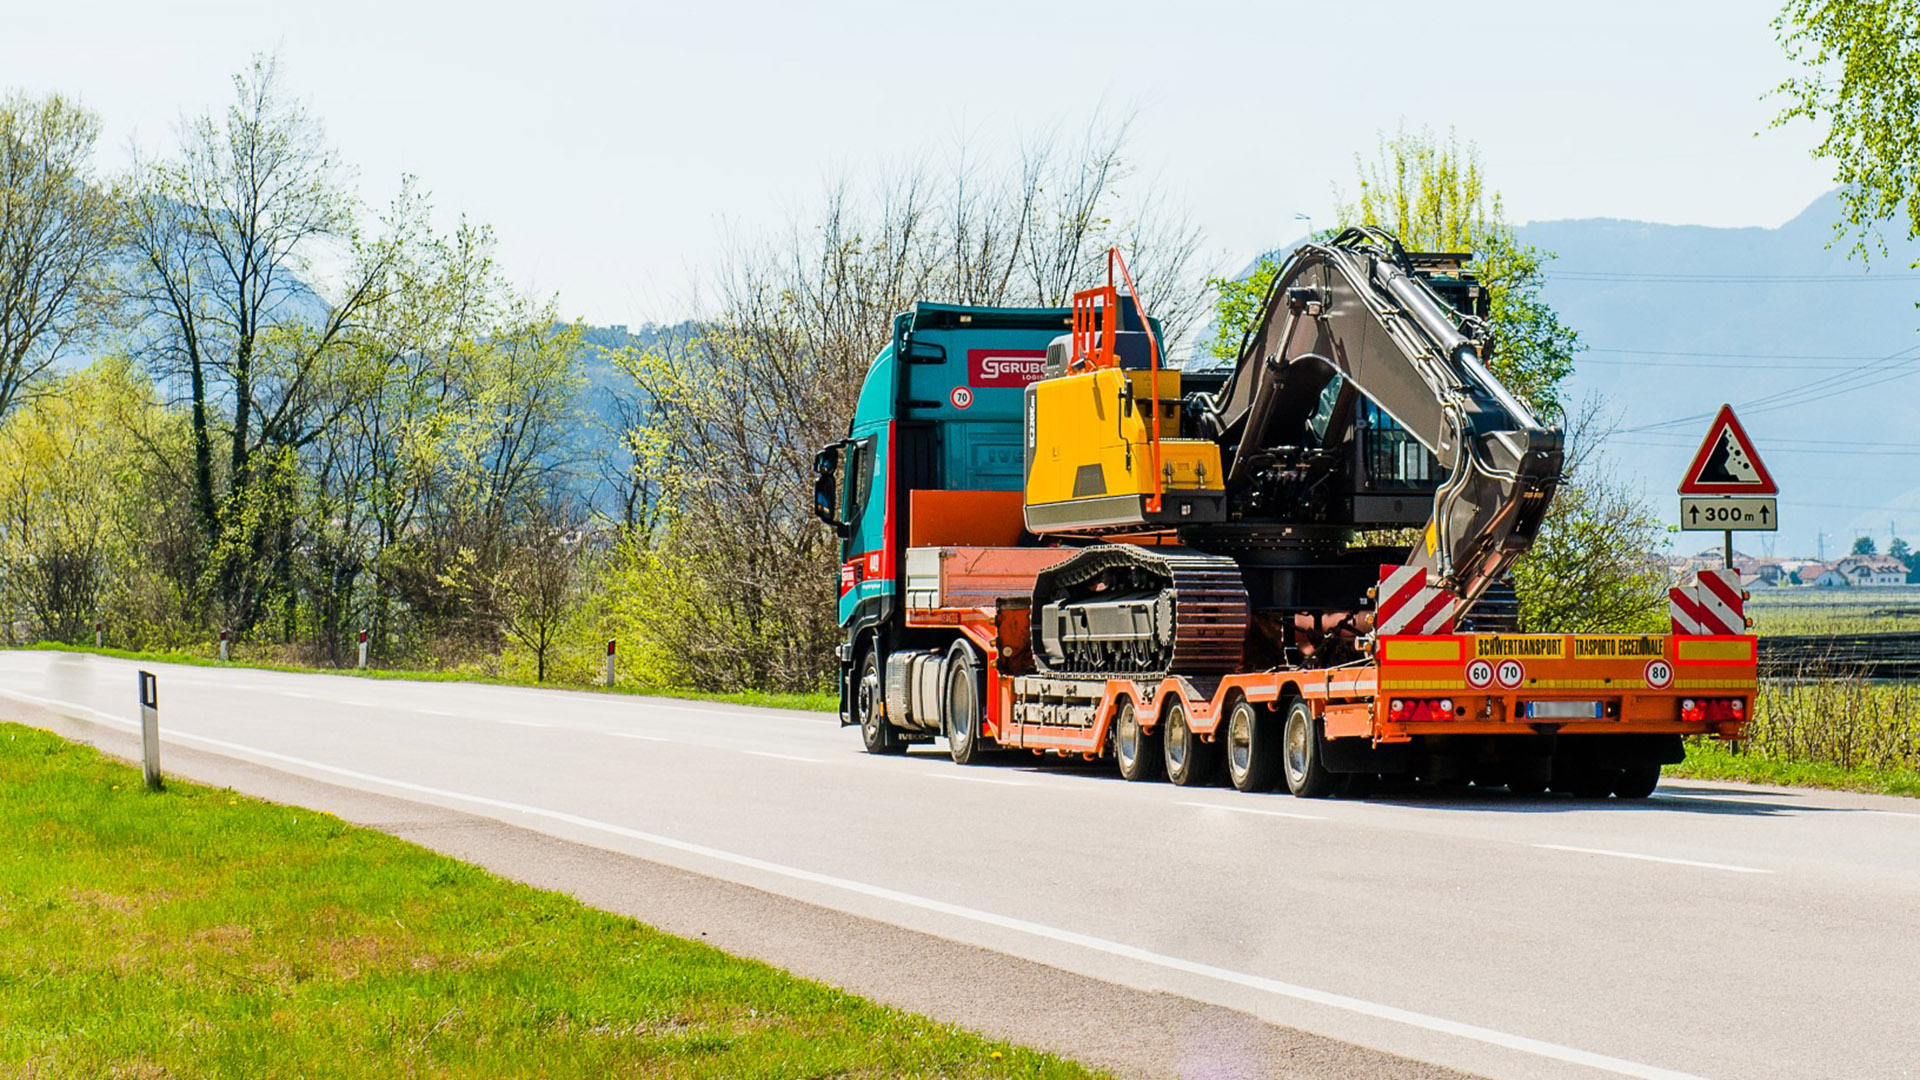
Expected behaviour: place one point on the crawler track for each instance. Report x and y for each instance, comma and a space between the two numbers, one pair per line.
1196, 605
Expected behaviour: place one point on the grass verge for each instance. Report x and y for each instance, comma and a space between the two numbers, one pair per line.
198, 933
767, 699
1708, 760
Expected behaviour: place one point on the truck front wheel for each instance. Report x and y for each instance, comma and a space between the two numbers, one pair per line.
879, 736
1306, 768
960, 706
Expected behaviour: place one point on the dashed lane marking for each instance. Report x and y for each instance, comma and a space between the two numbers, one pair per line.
1655, 858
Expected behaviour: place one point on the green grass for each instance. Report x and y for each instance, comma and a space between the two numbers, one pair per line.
198, 933
1715, 761
1836, 733
769, 699
1834, 611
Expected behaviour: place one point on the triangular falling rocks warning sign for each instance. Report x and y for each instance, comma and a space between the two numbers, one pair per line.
1726, 463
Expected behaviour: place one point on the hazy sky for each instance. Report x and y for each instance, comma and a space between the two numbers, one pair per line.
615, 146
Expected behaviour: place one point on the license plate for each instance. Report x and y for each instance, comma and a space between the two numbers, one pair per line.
1565, 710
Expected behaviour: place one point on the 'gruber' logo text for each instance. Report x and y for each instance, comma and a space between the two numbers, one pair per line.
1005, 367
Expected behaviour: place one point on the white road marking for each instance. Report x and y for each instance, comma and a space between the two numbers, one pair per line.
1888, 813
1655, 858
1438, 1024
636, 735
979, 779
1253, 810
523, 723
785, 757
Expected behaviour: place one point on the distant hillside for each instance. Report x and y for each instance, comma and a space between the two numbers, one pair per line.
1817, 353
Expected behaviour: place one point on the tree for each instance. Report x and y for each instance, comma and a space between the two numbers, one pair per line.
1433, 196
59, 226
536, 581
1899, 550
1863, 545
1594, 567
226, 234
78, 503
732, 585
1862, 78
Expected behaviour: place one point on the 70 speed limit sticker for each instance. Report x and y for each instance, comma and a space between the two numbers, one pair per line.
1484, 673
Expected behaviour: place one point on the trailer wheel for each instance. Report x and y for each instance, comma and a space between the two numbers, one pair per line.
1307, 775
1636, 781
1133, 748
1189, 761
1252, 746
960, 708
876, 734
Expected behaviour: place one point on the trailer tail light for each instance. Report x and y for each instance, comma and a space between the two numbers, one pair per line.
1416, 710
1712, 710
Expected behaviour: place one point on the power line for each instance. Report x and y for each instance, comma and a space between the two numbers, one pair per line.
1861, 278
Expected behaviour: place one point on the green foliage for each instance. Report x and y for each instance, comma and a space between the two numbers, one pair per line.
1593, 568
84, 507
1863, 545
197, 933
1847, 733
1862, 79
1432, 196
1236, 307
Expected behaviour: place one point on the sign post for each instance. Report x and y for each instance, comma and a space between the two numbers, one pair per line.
363, 648
1727, 489
150, 731
610, 662
223, 646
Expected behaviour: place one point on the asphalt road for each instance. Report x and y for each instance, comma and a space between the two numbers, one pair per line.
1713, 931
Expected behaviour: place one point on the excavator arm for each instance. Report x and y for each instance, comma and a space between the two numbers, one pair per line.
1355, 318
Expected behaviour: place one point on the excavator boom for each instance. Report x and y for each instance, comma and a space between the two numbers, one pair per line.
1352, 330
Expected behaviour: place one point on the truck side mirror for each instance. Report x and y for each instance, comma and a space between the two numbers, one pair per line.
826, 487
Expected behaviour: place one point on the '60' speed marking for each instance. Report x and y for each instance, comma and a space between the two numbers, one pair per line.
1480, 674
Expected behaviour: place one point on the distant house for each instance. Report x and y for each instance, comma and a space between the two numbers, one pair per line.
1811, 573
1871, 570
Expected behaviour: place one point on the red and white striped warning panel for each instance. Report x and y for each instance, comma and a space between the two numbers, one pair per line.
1711, 604
1407, 606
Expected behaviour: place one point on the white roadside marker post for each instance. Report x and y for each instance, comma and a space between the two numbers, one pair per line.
223, 646
609, 662
99, 634
150, 731
363, 648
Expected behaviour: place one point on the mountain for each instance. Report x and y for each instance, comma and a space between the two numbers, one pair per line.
1816, 351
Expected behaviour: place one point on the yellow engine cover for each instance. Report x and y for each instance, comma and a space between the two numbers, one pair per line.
1090, 459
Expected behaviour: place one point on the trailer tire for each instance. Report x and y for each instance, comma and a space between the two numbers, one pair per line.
1133, 749
960, 706
1636, 781
1305, 765
1189, 761
878, 736
1252, 744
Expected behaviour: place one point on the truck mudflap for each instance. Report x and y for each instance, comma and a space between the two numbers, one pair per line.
1571, 684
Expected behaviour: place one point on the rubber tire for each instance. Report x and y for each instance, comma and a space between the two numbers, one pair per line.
960, 711
1136, 752
1251, 743
1306, 771
1189, 761
878, 736
1636, 781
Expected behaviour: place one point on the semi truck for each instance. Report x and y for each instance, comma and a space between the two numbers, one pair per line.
1294, 569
